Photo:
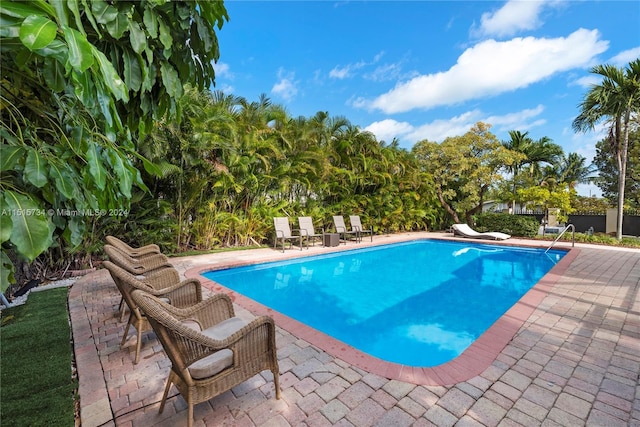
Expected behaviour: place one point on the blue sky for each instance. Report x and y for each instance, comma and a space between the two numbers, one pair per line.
429, 69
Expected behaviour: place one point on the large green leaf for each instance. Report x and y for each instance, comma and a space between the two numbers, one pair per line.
74, 7
137, 37
125, 177
63, 180
75, 230
80, 55
20, 9
10, 26
117, 26
110, 76
132, 71
150, 20
165, 35
37, 32
35, 171
31, 233
6, 271
57, 49
9, 156
103, 11
171, 80
96, 168
53, 72
5, 220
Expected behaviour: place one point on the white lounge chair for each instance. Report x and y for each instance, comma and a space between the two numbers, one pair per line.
356, 225
283, 232
465, 231
307, 230
341, 229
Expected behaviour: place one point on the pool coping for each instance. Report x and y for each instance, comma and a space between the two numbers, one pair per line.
472, 362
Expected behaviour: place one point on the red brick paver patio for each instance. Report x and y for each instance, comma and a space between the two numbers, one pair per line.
574, 360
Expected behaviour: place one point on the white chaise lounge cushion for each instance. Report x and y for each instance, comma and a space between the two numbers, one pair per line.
220, 360
466, 231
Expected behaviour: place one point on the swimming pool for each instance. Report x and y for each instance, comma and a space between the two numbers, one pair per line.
418, 303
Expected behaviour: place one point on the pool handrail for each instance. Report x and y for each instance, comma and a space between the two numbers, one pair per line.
573, 237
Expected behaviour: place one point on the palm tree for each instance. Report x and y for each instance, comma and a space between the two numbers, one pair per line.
534, 154
617, 101
574, 171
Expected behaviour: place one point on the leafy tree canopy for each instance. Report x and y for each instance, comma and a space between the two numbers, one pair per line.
81, 80
465, 167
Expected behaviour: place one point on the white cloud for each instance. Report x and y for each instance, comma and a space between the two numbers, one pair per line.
342, 72
520, 120
286, 86
625, 57
588, 81
222, 70
513, 17
384, 73
225, 88
438, 130
490, 68
387, 129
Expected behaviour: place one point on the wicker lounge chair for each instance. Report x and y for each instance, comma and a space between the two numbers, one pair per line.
181, 294
147, 265
140, 252
210, 350
341, 229
465, 231
356, 225
136, 266
283, 232
307, 230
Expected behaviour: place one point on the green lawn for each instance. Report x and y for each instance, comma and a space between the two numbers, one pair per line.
35, 363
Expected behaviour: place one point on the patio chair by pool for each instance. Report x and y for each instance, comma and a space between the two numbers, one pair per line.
341, 229
135, 266
210, 349
465, 231
307, 230
147, 265
181, 294
140, 252
356, 225
283, 232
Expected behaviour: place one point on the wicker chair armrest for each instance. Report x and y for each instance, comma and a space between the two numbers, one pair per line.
185, 293
207, 313
246, 340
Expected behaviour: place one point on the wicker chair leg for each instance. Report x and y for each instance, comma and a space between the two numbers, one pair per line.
190, 404
138, 345
166, 391
276, 383
126, 332
123, 309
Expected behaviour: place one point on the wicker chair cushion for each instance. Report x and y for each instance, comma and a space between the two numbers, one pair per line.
212, 364
225, 328
220, 360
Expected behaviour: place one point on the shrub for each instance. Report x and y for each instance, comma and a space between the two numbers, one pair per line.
516, 225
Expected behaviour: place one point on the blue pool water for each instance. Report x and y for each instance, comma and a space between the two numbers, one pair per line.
419, 303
